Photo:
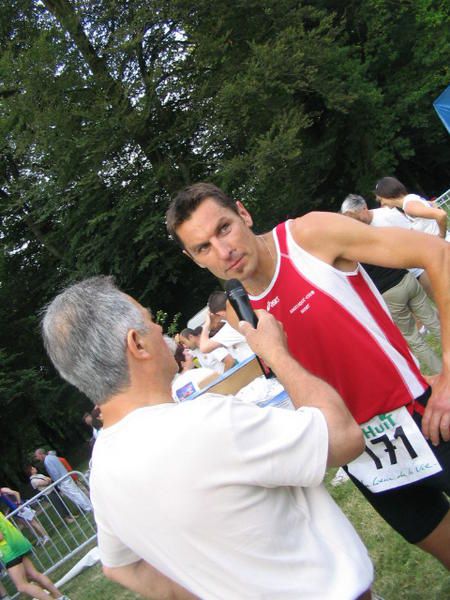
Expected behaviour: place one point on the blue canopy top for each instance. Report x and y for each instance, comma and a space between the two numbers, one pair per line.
442, 107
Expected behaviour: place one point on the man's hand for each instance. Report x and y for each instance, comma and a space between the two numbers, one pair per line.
436, 419
268, 340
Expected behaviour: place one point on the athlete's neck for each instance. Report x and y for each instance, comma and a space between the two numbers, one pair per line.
266, 265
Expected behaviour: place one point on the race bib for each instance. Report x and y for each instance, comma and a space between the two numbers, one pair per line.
396, 453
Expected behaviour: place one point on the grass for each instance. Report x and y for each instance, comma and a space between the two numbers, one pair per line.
402, 571
91, 584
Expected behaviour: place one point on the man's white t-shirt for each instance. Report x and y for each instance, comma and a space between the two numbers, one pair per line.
226, 499
389, 217
233, 341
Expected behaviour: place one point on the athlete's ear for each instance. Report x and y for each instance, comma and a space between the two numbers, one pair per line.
189, 255
244, 214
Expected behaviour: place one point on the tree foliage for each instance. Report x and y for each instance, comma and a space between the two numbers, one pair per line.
107, 108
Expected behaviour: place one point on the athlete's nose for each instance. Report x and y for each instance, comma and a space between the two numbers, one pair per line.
222, 248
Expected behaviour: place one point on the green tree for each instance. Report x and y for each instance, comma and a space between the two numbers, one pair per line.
107, 108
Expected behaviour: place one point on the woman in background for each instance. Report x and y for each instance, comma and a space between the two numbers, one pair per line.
423, 215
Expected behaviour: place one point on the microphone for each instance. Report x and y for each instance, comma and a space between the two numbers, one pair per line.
240, 302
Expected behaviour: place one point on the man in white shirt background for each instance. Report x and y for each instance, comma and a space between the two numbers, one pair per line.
226, 336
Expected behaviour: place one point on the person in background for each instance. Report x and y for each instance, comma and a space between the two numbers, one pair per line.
26, 514
219, 360
69, 488
383, 217
40, 483
94, 424
405, 297
65, 463
15, 552
189, 379
226, 336
423, 215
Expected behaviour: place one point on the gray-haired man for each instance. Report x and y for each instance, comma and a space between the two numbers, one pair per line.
214, 498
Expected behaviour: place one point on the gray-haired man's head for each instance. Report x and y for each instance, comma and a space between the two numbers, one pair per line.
85, 334
356, 207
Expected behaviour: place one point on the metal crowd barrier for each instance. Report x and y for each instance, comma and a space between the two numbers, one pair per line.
444, 201
69, 524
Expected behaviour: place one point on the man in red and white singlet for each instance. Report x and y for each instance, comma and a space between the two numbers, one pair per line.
307, 274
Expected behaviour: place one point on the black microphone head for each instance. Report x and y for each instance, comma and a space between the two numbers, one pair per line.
233, 284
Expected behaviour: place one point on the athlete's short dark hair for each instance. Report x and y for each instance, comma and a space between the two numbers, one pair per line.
188, 200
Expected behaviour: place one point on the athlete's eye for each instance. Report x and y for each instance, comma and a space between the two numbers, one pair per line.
225, 228
202, 249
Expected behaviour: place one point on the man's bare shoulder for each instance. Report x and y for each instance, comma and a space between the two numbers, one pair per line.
315, 227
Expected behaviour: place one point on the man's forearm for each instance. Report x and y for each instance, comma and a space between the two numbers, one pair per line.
142, 578
206, 344
442, 222
438, 271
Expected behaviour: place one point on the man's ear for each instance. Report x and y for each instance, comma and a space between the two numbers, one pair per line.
244, 214
189, 255
136, 345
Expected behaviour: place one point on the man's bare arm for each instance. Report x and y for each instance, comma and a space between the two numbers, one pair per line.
7, 490
206, 344
142, 578
345, 440
343, 242
415, 208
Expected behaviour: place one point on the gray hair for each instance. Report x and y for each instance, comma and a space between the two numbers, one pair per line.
85, 329
170, 343
353, 203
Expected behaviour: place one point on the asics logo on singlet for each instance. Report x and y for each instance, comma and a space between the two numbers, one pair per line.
272, 303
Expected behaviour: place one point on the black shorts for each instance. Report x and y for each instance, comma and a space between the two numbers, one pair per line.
415, 510
16, 561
